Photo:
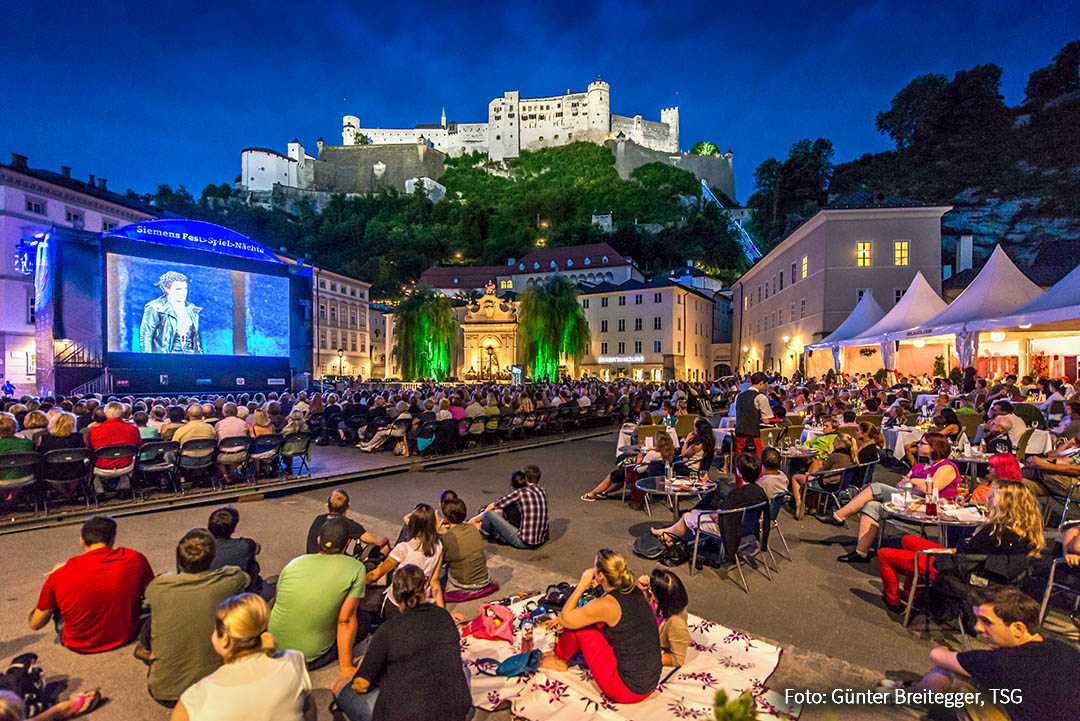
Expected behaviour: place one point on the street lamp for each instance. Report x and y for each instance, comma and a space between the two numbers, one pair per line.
340, 359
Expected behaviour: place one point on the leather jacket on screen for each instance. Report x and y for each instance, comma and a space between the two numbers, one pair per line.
158, 331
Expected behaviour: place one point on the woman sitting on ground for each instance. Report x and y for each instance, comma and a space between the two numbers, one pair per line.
869, 440
1013, 526
256, 680
616, 633
669, 600
423, 550
412, 668
941, 473
843, 455
664, 451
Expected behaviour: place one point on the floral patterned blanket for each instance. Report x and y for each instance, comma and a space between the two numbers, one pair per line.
718, 658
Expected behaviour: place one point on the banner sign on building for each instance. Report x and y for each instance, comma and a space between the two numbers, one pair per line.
195, 235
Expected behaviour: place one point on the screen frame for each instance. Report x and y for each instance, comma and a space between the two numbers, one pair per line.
136, 249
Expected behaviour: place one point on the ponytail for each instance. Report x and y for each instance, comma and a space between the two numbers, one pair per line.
613, 567
243, 620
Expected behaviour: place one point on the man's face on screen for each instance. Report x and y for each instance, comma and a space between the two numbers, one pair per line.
177, 291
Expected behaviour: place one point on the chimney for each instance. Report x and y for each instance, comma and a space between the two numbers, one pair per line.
91, 183
65, 171
963, 251
18, 161
101, 183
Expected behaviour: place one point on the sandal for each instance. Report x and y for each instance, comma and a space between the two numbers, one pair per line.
87, 702
590, 497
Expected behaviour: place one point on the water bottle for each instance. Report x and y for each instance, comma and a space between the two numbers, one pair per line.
527, 637
668, 474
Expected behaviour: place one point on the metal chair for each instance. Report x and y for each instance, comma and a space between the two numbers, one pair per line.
1051, 586
265, 448
477, 429
112, 453
158, 458
719, 517
1065, 501
774, 513
978, 569
61, 462
23, 468
296, 445
848, 476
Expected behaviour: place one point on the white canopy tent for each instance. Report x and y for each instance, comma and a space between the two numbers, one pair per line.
866, 313
1060, 303
998, 289
919, 304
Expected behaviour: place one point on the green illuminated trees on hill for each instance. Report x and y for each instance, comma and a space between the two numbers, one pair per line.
551, 324
425, 333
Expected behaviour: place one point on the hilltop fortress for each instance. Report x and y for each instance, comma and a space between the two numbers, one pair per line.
370, 159
515, 123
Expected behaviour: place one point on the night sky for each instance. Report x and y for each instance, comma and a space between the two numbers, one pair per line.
147, 93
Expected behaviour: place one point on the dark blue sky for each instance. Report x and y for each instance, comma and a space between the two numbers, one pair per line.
142, 93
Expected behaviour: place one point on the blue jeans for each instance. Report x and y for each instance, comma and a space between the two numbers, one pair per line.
494, 524
357, 706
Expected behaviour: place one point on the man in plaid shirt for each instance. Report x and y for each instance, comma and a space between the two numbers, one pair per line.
532, 499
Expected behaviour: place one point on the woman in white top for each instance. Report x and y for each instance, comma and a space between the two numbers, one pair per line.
423, 550
256, 681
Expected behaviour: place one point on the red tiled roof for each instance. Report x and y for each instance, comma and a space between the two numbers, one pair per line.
595, 253
467, 276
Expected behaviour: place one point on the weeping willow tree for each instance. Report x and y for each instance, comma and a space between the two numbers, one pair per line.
551, 324
425, 333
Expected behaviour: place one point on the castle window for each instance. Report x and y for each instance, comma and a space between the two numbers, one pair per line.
587, 261
541, 138
604, 259
536, 266
521, 266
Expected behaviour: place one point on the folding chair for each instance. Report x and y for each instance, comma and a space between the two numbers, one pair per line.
265, 448
233, 451
197, 457
111, 453
718, 518
158, 458
23, 468
61, 462
848, 477
1051, 585
297, 445
775, 505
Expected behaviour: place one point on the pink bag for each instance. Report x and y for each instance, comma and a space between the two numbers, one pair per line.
495, 623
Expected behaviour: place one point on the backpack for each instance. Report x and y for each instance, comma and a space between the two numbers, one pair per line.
519, 664
674, 553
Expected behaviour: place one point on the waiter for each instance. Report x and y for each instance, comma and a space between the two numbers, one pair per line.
751, 409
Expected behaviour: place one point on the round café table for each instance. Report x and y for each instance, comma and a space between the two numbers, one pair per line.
946, 518
673, 489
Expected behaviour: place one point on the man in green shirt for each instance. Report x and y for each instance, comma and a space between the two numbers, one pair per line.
463, 549
182, 607
318, 595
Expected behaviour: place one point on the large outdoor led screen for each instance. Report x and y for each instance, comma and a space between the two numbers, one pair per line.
166, 307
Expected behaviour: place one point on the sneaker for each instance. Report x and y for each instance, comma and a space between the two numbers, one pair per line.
831, 520
897, 607
853, 557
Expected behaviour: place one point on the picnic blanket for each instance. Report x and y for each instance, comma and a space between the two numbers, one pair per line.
718, 658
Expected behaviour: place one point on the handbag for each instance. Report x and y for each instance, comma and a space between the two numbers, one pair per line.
495, 623
519, 664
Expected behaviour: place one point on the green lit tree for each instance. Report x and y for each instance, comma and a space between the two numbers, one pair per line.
425, 332
551, 324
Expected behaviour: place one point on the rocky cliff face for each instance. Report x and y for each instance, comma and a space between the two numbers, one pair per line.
1021, 225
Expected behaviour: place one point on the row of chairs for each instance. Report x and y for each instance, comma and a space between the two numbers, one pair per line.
75, 471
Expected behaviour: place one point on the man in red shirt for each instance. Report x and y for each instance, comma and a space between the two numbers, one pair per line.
97, 596
114, 431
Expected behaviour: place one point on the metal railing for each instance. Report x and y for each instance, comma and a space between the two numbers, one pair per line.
101, 385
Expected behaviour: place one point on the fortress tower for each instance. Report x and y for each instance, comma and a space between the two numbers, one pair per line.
599, 98
671, 117
349, 126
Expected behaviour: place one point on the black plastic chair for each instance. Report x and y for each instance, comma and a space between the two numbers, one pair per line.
758, 512
265, 449
112, 453
23, 468
158, 458
197, 457
61, 462
446, 436
233, 451
297, 445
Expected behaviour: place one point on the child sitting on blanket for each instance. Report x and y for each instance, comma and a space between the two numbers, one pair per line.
669, 599
624, 653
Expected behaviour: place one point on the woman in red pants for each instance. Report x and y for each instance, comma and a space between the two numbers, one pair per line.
1013, 525
616, 633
